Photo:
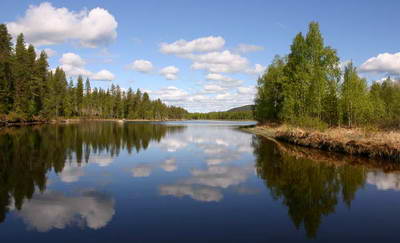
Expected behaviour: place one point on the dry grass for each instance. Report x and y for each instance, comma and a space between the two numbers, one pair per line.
366, 142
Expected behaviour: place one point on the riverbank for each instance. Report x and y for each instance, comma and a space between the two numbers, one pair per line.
360, 142
76, 120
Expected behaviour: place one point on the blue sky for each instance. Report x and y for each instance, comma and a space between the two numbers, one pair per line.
224, 45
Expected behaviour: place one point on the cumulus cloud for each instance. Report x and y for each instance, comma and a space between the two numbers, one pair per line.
383, 63
249, 90
223, 80
46, 25
74, 65
245, 48
204, 44
103, 74
204, 194
219, 62
170, 72
142, 66
49, 210
211, 100
258, 69
213, 88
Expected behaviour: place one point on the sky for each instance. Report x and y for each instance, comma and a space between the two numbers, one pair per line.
200, 55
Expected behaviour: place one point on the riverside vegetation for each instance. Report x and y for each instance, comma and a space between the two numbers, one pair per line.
317, 104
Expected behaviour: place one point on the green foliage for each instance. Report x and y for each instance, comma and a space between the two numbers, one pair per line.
307, 88
30, 91
309, 123
223, 115
354, 98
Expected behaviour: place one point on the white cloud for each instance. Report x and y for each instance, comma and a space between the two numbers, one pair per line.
249, 90
46, 25
204, 44
50, 52
207, 100
104, 75
74, 65
170, 93
213, 88
142, 66
223, 80
383, 63
49, 210
170, 72
258, 69
244, 48
219, 62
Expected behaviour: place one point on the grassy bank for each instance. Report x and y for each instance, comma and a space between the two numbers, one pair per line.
360, 142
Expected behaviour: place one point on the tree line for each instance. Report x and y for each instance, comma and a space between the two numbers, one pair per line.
29, 91
222, 115
309, 87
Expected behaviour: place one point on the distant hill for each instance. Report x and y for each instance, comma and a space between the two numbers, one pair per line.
242, 108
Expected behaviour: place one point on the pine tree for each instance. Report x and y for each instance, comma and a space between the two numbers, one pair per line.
22, 76
41, 82
87, 103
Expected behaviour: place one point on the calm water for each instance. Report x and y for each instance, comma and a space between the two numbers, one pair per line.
186, 182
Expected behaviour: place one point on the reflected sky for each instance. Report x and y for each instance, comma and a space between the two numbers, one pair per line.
92, 181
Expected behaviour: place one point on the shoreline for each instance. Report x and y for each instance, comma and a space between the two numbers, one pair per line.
355, 142
77, 120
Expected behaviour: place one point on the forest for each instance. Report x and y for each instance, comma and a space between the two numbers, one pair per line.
310, 87
222, 115
31, 91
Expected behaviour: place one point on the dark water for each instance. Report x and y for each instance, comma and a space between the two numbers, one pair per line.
186, 182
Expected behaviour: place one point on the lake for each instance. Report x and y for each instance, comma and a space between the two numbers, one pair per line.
194, 181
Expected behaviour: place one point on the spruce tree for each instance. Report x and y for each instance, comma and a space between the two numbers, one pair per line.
6, 76
79, 95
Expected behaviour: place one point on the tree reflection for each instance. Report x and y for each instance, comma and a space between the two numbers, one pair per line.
27, 154
310, 189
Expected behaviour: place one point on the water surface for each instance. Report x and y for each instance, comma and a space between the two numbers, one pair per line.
195, 181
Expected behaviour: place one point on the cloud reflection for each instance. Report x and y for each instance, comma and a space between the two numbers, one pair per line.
141, 170
384, 181
204, 194
56, 210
